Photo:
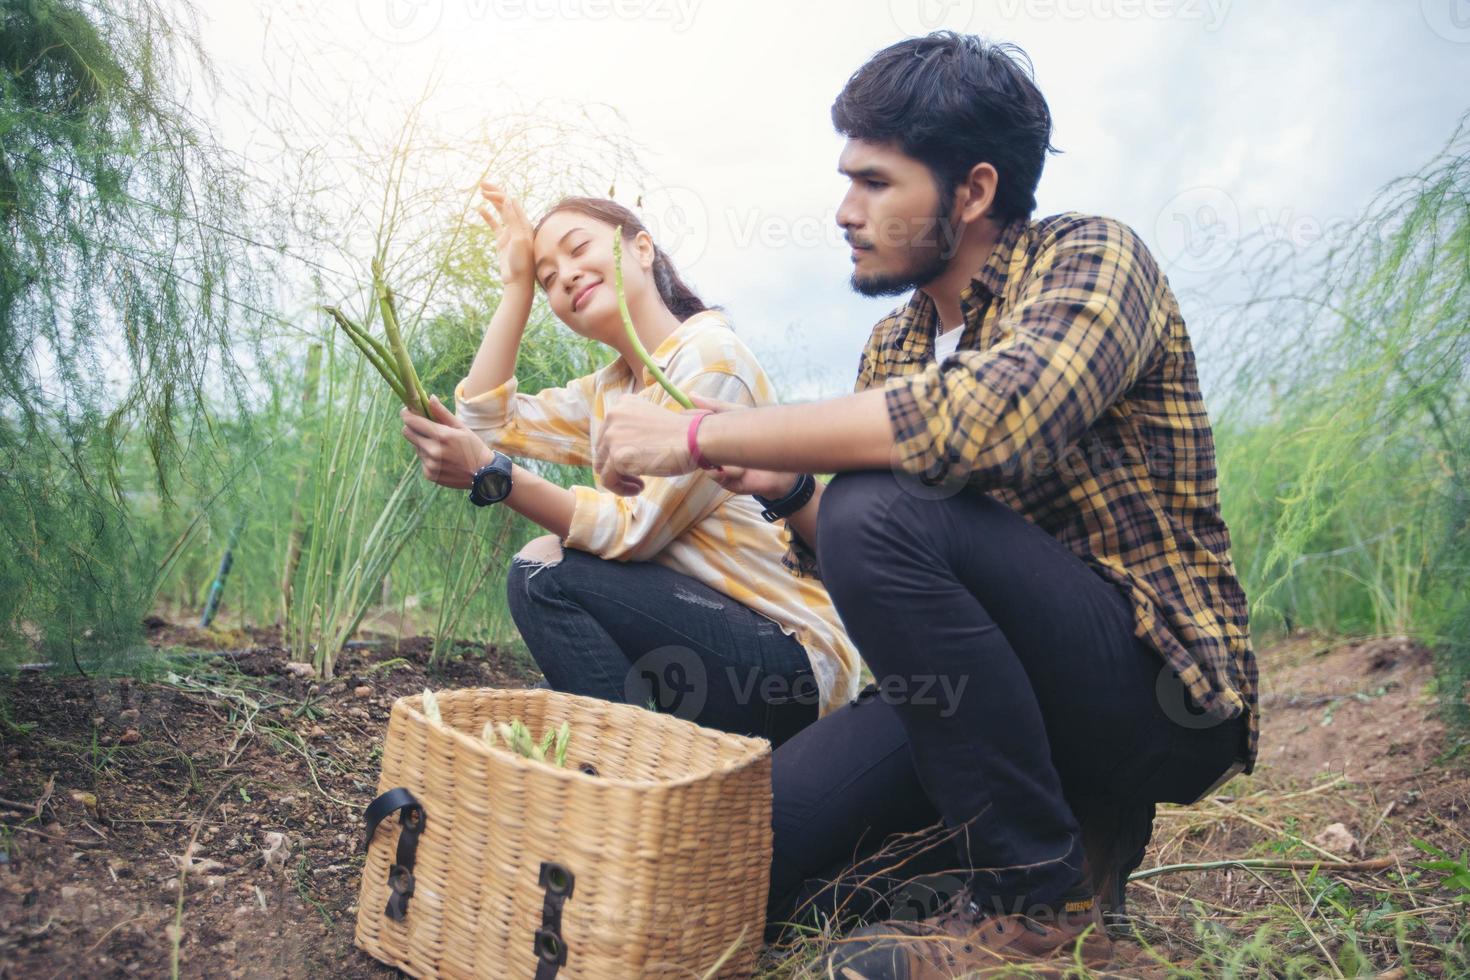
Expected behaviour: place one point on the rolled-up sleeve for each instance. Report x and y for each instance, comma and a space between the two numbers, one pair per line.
637, 528
554, 424
1079, 334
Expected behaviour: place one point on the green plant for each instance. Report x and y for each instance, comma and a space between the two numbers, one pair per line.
393, 361
1343, 427
632, 334
1456, 871
517, 737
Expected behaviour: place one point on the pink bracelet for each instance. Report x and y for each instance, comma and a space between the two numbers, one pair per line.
694, 452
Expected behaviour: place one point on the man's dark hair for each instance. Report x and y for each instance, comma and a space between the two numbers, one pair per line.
951, 101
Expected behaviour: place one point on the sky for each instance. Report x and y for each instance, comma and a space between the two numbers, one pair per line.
1200, 123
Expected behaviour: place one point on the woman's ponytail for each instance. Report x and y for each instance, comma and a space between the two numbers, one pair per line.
678, 297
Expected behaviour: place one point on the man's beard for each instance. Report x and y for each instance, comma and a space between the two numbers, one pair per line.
927, 261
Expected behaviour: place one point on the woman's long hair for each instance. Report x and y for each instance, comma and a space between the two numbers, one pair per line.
677, 296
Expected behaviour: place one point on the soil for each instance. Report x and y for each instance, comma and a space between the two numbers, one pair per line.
100, 800
130, 772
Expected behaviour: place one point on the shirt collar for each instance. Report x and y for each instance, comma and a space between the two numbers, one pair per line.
920, 315
664, 353
992, 275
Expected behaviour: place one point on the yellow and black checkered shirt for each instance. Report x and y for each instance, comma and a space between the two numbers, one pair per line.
1073, 399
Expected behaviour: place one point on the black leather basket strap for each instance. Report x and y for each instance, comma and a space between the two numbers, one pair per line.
413, 819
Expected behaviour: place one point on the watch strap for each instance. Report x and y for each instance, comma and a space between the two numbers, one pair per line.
795, 499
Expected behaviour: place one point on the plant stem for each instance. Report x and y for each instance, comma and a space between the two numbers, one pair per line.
406, 373
366, 345
638, 348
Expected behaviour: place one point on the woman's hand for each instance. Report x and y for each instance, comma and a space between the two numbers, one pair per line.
513, 236
449, 451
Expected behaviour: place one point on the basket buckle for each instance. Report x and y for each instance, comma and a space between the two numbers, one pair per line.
412, 819
551, 948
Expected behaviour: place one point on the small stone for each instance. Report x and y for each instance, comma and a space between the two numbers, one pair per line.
130, 737
1337, 839
128, 716
362, 691
358, 713
70, 893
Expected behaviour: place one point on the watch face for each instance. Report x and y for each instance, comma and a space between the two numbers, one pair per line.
493, 485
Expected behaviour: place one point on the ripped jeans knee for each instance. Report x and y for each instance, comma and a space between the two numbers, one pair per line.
539, 554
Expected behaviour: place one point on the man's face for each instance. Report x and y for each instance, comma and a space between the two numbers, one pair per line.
902, 234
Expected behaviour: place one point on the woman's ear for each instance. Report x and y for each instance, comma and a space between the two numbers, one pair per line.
643, 247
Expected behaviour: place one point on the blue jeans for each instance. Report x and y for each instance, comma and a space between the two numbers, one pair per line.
640, 633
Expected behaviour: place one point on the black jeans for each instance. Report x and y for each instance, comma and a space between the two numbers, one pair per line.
1012, 699
640, 633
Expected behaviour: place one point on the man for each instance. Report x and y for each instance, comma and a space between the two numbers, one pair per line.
1024, 528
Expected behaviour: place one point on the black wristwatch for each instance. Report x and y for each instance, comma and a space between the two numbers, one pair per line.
492, 481
795, 500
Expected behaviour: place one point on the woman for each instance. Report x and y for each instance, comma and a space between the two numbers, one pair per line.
678, 597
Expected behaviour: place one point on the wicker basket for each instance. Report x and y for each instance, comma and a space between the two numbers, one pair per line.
657, 865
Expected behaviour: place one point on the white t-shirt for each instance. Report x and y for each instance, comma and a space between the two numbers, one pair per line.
947, 343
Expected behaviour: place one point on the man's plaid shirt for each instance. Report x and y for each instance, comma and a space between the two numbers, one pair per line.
1073, 399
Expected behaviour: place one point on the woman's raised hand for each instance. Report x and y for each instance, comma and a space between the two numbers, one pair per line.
513, 235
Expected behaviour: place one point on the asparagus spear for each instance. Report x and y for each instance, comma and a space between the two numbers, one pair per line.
390, 360
638, 349
406, 374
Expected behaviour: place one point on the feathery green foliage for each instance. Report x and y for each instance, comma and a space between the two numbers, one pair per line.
1345, 441
117, 263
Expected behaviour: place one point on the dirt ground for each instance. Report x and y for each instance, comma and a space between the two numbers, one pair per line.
265, 771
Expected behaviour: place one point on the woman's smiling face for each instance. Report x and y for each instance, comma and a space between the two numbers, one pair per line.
574, 265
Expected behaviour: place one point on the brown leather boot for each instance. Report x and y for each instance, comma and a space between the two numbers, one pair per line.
968, 941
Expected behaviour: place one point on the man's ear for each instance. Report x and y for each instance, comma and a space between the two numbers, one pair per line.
643, 248
977, 193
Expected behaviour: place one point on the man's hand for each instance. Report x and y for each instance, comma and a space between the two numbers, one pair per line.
639, 438
771, 484
449, 451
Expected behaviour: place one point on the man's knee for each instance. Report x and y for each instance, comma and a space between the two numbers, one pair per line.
852, 536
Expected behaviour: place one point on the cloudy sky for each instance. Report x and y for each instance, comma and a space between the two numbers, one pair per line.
1198, 122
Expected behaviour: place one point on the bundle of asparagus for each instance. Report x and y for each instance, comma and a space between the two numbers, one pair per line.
390, 360
517, 737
